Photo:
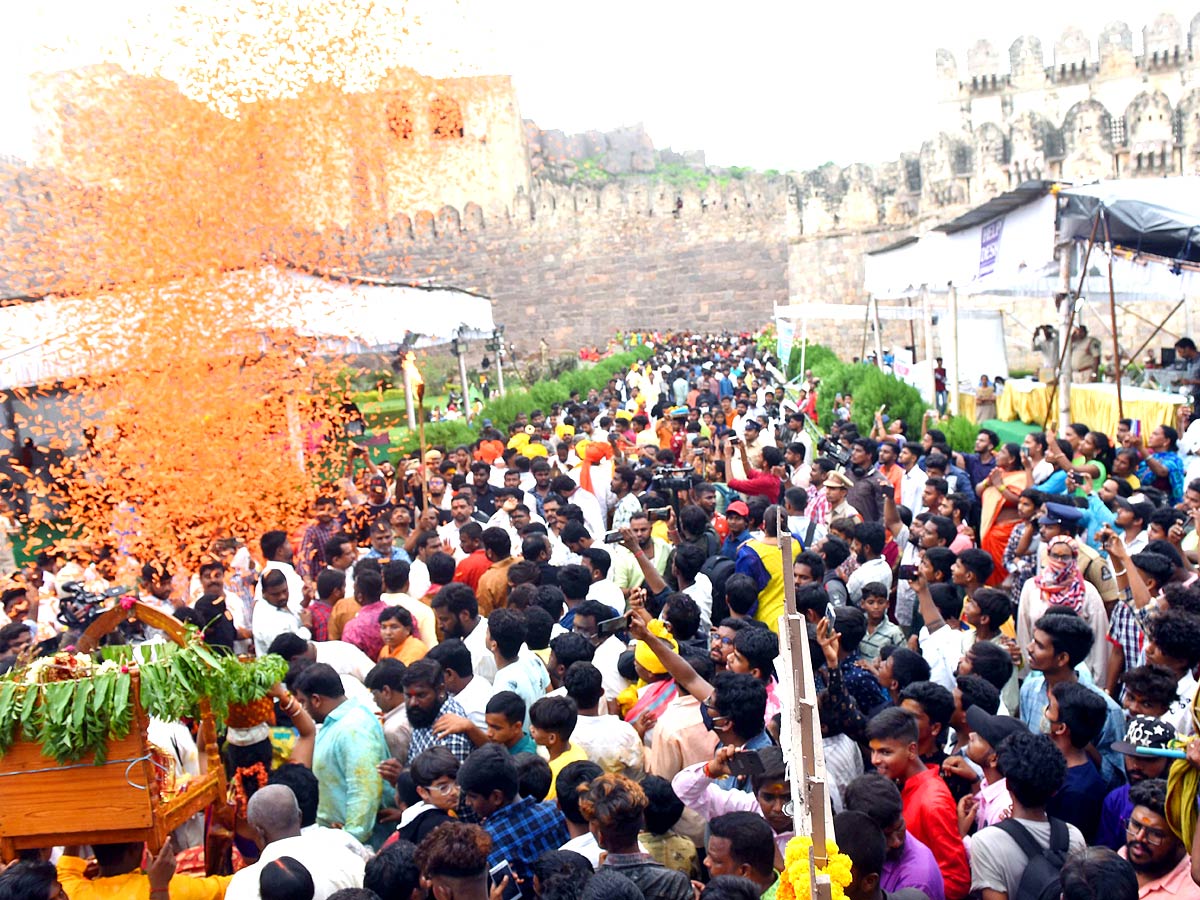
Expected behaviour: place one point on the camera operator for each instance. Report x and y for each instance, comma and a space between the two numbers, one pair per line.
867, 483
753, 442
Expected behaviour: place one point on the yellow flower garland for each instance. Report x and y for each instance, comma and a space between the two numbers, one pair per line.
794, 883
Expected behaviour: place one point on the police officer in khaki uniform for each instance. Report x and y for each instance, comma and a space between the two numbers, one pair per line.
1068, 520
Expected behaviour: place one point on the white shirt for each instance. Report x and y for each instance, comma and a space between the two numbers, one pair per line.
1138, 544
344, 658
873, 570
331, 866
942, 649
585, 845
610, 742
1179, 713
593, 517
449, 534
609, 594
1041, 471
397, 732
605, 659
526, 677
175, 738
482, 661
474, 699
294, 582
270, 622
912, 486
341, 838
701, 590
418, 578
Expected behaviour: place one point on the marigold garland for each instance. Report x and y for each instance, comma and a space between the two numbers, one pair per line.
794, 881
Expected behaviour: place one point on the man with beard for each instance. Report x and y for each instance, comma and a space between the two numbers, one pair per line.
228, 624
540, 470
485, 494
425, 700
277, 551
1143, 731
457, 614
867, 484
312, 544
273, 615
461, 509
1158, 857
638, 540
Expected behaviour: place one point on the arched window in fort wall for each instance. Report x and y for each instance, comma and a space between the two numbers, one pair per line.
446, 117
400, 119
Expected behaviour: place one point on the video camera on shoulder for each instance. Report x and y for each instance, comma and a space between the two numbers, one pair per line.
834, 451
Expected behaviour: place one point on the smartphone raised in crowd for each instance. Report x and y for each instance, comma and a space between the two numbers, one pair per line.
612, 626
746, 763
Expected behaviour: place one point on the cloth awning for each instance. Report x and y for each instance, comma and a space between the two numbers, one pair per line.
1012, 253
57, 338
1159, 216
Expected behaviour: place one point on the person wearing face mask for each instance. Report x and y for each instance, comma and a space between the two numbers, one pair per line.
1061, 583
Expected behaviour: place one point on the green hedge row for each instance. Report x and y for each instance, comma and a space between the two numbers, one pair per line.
503, 410
872, 388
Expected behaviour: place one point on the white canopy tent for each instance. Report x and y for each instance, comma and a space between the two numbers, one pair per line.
1006, 247
63, 337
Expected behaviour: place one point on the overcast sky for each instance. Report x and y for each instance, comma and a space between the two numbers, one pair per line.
757, 82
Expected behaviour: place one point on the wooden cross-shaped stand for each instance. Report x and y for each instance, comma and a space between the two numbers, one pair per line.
800, 731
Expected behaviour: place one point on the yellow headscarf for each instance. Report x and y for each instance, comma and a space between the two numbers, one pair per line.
645, 656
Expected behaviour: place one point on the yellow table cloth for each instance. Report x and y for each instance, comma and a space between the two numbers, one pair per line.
1095, 405
966, 406
1024, 400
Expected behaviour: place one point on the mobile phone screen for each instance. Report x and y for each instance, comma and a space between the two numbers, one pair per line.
496, 875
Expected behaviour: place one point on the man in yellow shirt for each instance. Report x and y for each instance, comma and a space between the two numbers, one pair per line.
761, 560
551, 721
121, 876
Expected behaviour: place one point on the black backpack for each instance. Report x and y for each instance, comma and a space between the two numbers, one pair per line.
1040, 880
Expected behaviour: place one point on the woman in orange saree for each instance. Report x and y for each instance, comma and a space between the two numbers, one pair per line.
999, 495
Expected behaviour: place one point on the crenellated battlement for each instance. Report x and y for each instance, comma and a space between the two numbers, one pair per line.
554, 207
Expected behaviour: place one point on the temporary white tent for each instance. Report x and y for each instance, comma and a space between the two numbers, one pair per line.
1006, 246
62, 337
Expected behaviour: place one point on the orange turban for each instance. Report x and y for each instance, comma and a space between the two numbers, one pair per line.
596, 453
489, 450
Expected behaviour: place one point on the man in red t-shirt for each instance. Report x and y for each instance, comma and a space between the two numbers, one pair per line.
929, 809
475, 562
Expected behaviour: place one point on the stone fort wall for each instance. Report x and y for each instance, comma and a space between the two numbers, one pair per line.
574, 265
441, 189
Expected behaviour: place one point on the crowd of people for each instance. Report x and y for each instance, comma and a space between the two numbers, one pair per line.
545, 664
